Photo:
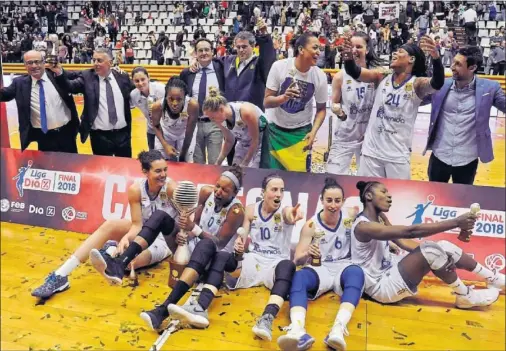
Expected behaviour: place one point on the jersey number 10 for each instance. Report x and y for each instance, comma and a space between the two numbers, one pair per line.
265, 233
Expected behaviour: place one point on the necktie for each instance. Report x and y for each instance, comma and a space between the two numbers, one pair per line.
42, 105
202, 89
111, 107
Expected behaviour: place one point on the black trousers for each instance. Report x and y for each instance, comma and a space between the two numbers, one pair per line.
151, 140
61, 139
441, 172
111, 142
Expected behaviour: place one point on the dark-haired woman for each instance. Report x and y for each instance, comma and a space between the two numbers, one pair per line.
269, 226
352, 102
388, 279
291, 86
325, 238
144, 96
144, 196
386, 150
174, 121
211, 238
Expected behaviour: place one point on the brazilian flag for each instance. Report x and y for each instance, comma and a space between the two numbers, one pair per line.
283, 149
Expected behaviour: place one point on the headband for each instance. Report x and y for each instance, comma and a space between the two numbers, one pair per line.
366, 189
233, 178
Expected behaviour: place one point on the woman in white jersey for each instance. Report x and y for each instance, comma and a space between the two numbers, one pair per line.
239, 121
267, 258
174, 120
144, 196
386, 149
352, 102
389, 279
144, 96
210, 238
324, 246
291, 86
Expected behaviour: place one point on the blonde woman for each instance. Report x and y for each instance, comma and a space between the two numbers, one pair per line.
241, 121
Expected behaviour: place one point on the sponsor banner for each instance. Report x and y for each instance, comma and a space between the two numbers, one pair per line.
80, 192
388, 12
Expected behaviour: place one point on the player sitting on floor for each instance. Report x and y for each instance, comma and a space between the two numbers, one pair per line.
330, 269
389, 280
145, 196
219, 215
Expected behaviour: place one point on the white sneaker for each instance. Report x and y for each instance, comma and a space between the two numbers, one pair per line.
335, 339
295, 340
497, 282
476, 298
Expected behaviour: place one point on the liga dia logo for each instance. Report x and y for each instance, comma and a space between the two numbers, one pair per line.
495, 261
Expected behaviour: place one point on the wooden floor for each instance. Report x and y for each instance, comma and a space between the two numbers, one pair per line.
95, 316
491, 174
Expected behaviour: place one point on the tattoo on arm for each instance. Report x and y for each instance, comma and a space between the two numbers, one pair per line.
423, 87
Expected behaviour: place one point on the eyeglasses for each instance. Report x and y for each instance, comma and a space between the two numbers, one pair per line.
34, 62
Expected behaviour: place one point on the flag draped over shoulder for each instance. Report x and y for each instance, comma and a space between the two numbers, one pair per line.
283, 148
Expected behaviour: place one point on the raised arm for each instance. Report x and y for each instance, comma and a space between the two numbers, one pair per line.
355, 71
267, 53
366, 231
426, 86
193, 114
292, 215
8, 93
74, 86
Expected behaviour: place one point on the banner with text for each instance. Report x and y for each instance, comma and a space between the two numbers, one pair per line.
79, 192
388, 12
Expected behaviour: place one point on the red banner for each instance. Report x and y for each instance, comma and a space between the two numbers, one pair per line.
78, 192
4, 124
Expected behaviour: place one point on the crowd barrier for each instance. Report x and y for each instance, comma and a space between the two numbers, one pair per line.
78, 192
163, 73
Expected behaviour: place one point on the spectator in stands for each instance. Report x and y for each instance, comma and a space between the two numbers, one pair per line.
26, 43
106, 117
14, 52
470, 17
120, 13
62, 52
209, 73
498, 59
423, 24
199, 33
178, 14
112, 28
459, 139
497, 37
128, 46
47, 114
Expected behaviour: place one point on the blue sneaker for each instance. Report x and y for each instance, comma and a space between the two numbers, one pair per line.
155, 317
295, 340
109, 267
53, 284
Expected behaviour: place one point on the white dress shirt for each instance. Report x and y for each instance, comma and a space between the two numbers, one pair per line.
243, 65
212, 81
57, 113
102, 120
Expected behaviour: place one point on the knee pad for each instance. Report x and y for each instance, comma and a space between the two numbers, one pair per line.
216, 272
352, 284
283, 275
453, 250
159, 221
303, 281
202, 254
434, 254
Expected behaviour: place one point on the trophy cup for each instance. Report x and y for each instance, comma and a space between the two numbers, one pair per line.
52, 57
317, 236
465, 235
184, 200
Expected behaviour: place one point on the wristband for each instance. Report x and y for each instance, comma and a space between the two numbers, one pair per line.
438, 74
197, 231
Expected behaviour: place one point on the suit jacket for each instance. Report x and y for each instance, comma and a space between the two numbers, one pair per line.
21, 90
488, 94
189, 77
87, 83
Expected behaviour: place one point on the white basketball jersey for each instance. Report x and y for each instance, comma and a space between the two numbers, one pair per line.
389, 133
160, 202
374, 257
357, 99
335, 244
211, 221
270, 237
174, 130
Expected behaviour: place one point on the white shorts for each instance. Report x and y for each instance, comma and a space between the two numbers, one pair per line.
329, 276
340, 156
178, 144
159, 250
257, 270
390, 288
373, 167
241, 150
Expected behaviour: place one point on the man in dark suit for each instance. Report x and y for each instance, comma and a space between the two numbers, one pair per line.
106, 116
46, 113
210, 73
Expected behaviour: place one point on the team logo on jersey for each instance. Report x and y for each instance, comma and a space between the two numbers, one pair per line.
210, 203
348, 222
370, 86
348, 81
183, 115
277, 218
387, 83
349, 88
409, 87
223, 212
163, 196
310, 225
240, 123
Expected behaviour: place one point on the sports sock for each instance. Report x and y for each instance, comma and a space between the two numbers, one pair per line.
69, 265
